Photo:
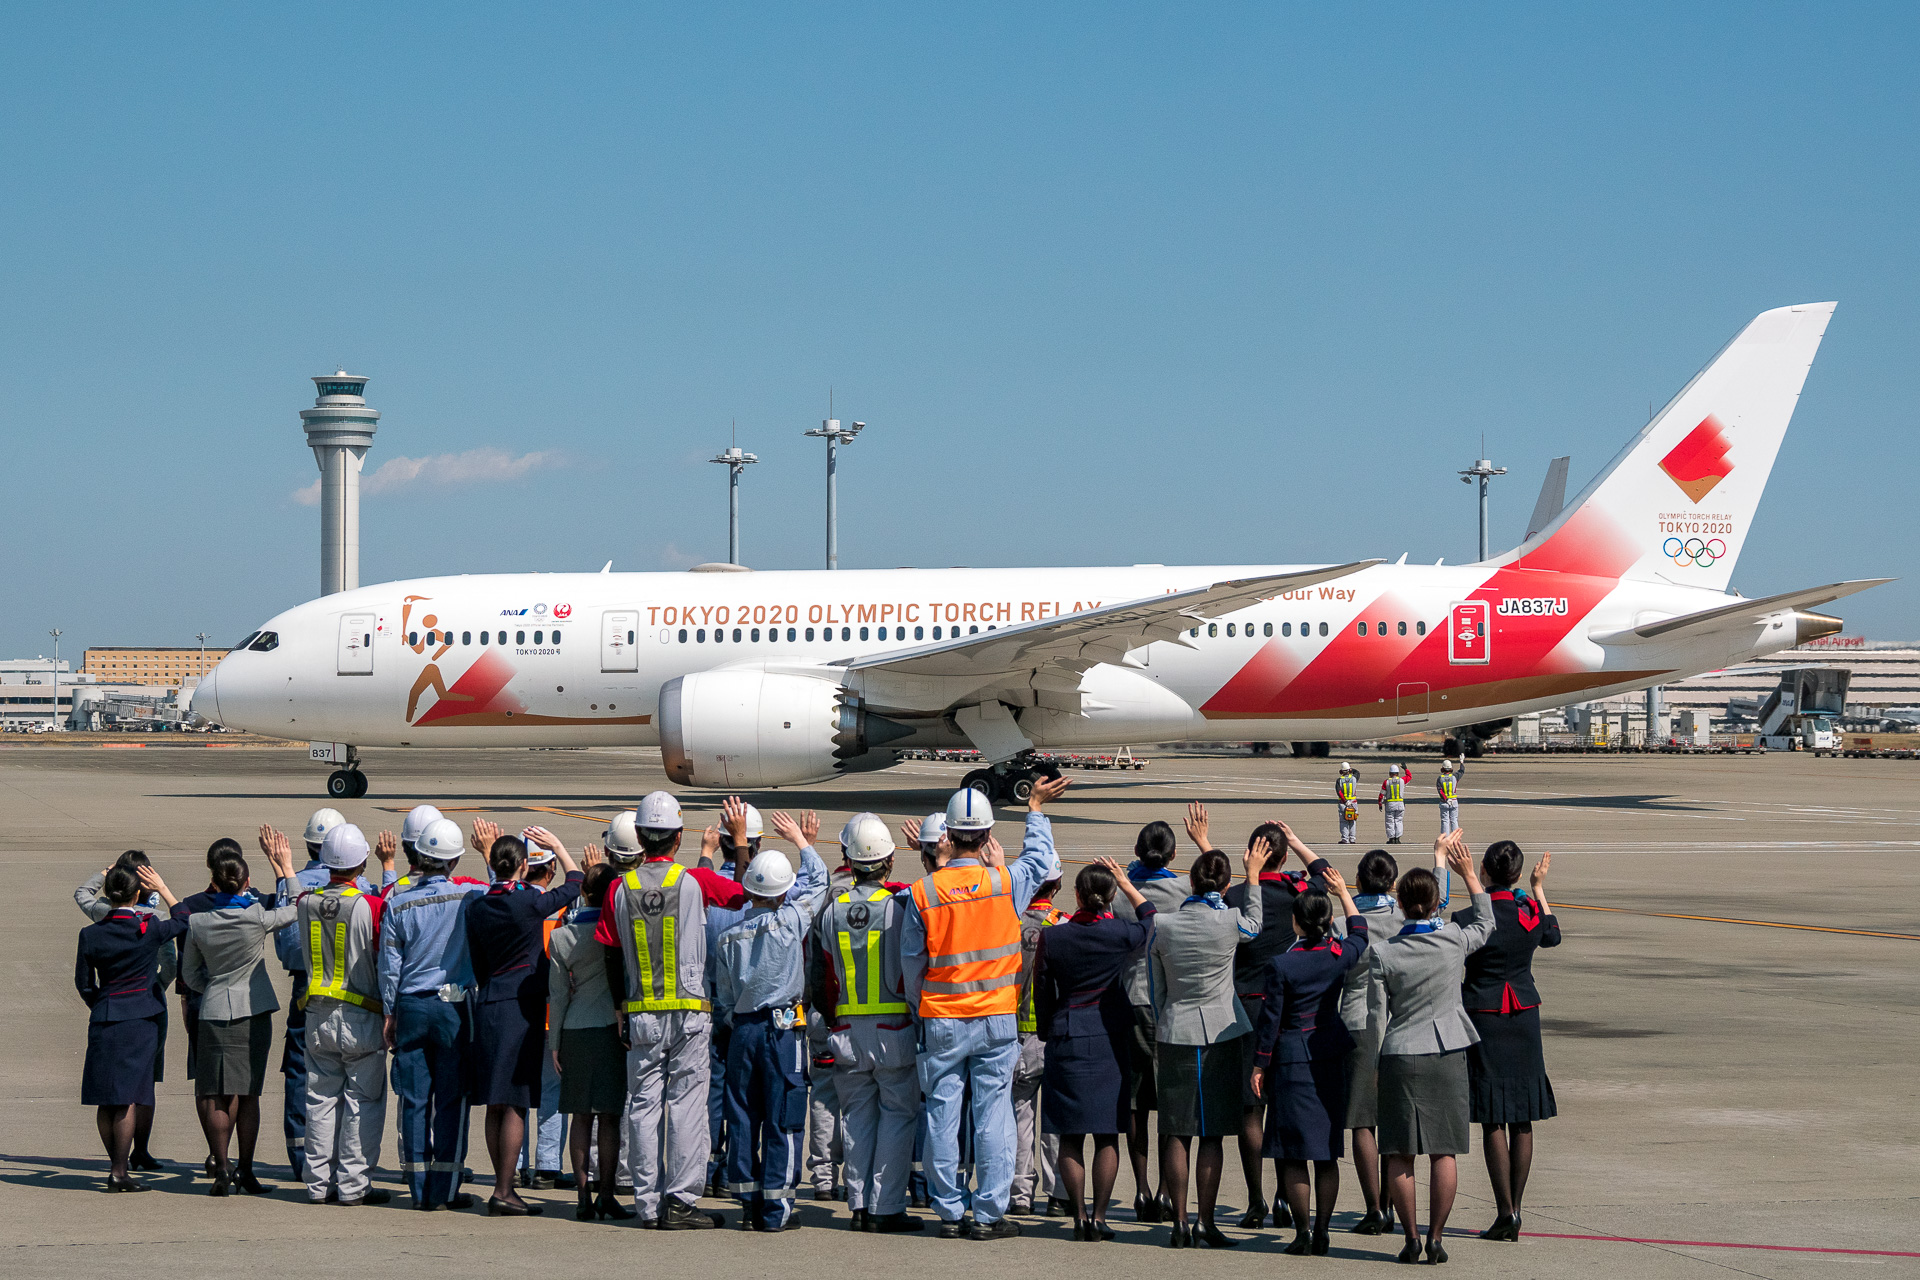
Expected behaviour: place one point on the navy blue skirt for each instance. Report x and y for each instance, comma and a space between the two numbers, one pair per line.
119, 1067
1306, 1110
507, 1049
1084, 1086
1507, 1072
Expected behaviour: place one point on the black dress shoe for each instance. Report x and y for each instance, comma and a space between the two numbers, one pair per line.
1321, 1243
583, 1206
1436, 1252
460, 1200
1302, 1244
1180, 1237
1098, 1231
144, 1162
1504, 1228
1146, 1209
1213, 1237
1282, 1215
1254, 1217
221, 1185
1369, 1225
1059, 1207
498, 1208
374, 1195
1002, 1229
124, 1184
677, 1215
895, 1224
612, 1207
246, 1182
1409, 1252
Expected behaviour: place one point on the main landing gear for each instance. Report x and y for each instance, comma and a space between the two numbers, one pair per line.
1011, 781
348, 783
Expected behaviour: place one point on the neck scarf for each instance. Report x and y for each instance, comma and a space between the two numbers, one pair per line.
241, 899
1088, 917
586, 915
1420, 926
1140, 872
1213, 900
1372, 901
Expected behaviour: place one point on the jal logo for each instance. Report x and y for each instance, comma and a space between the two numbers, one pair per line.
1698, 463
563, 611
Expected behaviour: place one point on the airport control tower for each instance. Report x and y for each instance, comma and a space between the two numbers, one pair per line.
340, 430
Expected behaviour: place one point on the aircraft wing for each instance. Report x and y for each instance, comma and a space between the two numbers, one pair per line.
1739, 614
1047, 658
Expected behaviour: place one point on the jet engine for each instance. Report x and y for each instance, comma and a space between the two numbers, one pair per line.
761, 729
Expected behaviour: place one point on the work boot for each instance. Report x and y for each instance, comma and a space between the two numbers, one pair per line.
1059, 1207
956, 1229
895, 1224
1019, 1208
1004, 1229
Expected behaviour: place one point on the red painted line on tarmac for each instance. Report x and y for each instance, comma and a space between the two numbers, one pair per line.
1762, 924
1719, 1244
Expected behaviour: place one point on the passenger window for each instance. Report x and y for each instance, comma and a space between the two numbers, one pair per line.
736, 635
809, 633
1213, 629
539, 637
756, 635
519, 637
1286, 628
413, 637
700, 636
1323, 628
883, 633
1194, 632
629, 637
973, 631
863, 633
1363, 628
1230, 627
1419, 628
936, 633
1403, 628
791, 633
919, 633
1382, 628
466, 637
683, 635
1269, 628
556, 638
846, 633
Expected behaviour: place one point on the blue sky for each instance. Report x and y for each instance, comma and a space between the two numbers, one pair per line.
1109, 283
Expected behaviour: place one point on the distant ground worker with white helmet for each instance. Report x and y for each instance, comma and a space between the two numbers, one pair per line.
289, 948
860, 995
1346, 798
735, 842
1393, 802
1448, 786
654, 928
411, 827
346, 1082
426, 978
826, 1145
759, 980
960, 949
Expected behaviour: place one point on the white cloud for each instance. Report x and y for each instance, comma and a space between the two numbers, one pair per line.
476, 466
672, 557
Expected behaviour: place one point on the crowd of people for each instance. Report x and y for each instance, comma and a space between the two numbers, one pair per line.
730, 1027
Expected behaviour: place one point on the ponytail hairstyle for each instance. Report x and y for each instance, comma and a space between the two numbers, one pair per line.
133, 860
594, 891
122, 886
224, 847
1502, 863
1154, 846
508, 855
1211, 872
1312, 917
1276, 840
1378, 871
1095, 887
230, 874
1419, 894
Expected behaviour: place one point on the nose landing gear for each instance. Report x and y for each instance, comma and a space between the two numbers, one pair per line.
347, 783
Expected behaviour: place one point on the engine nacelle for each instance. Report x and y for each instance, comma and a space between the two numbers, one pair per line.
758, 729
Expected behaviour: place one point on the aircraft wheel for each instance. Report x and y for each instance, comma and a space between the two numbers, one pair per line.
1020, 787
359, 785
983, 781
340, 784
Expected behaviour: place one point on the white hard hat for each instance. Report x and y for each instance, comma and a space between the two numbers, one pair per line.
322, 821
755, 828
969, 811
441, 841
623, 842
866, 839
1446, 766
416, 821
536, 856
343, 847
1345, 767
769, 875
658, 811
932, 827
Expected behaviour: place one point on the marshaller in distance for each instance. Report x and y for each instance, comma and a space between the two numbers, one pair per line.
777, 678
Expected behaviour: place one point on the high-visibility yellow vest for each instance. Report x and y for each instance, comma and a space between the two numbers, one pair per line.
973, 943
1345, 789
857, 923
327, 949
651, 901
1394, 795
1038, 916
1446, 786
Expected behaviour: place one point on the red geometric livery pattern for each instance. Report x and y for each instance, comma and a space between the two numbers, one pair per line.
1699, 462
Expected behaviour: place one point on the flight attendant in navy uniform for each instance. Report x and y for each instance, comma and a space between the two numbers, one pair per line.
1507, 1080
115, 972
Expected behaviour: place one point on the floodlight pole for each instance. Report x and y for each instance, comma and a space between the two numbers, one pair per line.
1483, 470
735, 461
56, 633
835, 435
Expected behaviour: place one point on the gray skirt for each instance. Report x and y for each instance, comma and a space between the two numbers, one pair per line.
1363, 1081
593, 1071
1423, 1104
231, 1056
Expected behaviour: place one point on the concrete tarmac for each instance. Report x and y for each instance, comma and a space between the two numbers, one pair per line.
1720, 1082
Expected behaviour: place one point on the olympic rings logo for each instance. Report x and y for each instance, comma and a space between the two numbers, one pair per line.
1693, 551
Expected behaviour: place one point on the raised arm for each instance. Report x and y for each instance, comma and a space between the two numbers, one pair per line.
1476, 924
1537, 883
1253, 906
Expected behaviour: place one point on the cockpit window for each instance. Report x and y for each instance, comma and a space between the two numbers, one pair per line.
265, 642
251, 637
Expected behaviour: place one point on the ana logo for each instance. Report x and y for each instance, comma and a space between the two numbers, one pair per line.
513, 613
563, 611
1699, 462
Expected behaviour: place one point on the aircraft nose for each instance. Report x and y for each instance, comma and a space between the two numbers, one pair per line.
206, 700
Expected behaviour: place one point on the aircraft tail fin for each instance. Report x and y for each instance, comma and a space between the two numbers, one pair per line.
1675, 505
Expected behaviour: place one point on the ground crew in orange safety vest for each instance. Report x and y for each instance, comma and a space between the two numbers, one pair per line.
346, 1083
1448, 785
960, 952
1393, 802
1346, 793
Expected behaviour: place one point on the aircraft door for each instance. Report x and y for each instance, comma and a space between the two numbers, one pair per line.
619, 630
1468, 643
356, 644
1412, 703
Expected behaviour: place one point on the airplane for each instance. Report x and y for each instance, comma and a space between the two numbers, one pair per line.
766, 679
